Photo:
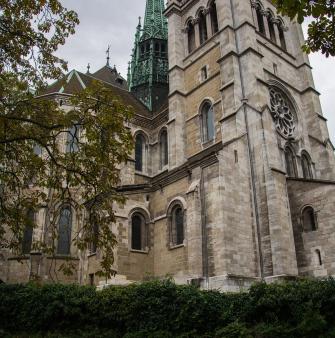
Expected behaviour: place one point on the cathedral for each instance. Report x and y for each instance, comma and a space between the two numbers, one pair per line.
232, 178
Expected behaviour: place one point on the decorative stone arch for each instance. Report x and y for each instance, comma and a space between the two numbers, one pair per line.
176, 222
282, 28
141, 151
202, 24
212, 9
290, 160
207, 123
259, 12
271, 21
284, 110
306, 164
144, 230
163, 145
309, 219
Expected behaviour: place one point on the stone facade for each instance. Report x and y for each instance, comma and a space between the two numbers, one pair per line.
237, 172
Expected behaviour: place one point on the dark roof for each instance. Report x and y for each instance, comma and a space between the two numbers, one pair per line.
76, 81
110, 75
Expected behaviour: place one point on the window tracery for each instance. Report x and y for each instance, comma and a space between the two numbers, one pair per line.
282, 113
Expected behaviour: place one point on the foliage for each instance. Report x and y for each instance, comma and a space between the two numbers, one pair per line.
321, 31
162, 309
35, 170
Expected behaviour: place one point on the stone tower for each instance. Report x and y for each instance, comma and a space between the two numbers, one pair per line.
148, 69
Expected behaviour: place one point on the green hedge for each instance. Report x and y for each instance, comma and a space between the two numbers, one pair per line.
162, 309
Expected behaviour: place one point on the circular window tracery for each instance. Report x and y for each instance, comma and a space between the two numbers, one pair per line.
282, 113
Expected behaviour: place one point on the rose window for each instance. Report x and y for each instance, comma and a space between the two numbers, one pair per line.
282, 114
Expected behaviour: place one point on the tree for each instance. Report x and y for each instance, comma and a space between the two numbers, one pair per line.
321, 31
34, 171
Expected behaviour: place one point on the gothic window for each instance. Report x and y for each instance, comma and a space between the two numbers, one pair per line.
202, 28
164, 148
282, 36
306, 166
271, 28
214, 17
309, 222
291, 169
64, 231
139, 152
28, 233
207, 122
138, 232
282, 113
191, 37
177, 225
94, 222
260, 20
72, 143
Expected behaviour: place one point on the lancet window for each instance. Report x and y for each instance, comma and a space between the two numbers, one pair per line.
138, 232
64, 231
207, 122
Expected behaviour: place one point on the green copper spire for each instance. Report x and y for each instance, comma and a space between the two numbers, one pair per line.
155, 23
148, 69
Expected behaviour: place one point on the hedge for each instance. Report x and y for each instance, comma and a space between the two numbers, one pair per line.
162, 309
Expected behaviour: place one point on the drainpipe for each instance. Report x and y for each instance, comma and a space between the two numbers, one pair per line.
250, 153
204, 230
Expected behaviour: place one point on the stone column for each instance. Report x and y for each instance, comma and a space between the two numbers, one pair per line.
197, 33
208, 23
194, 230
266, 26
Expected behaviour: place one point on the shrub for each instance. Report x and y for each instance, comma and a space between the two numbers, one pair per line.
162, 309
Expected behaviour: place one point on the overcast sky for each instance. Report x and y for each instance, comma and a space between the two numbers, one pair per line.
113, 22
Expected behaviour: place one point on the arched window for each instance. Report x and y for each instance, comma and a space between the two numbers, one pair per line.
271, 28
282, 36
190, 37
214, 17
177, 225
164, 148
290, 163
306, 166
138, 232
94, 222
309, 222
207, 122
202, 27
260, 19
139, 152
72, 142
28, 233
64, 231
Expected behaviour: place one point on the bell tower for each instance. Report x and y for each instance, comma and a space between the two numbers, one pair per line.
148, 69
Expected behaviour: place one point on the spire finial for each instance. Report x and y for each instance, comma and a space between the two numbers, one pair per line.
108, 54
139, 21
88, 68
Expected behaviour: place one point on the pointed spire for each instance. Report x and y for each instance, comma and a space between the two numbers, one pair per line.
155, 23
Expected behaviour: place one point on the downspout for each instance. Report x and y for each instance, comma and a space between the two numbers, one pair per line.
204, 230
250, 153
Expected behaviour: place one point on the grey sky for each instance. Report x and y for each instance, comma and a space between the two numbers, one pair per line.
104, 22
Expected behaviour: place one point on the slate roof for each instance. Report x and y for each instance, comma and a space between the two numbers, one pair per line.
76, 81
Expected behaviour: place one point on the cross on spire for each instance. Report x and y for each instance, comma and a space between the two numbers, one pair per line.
108, 54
